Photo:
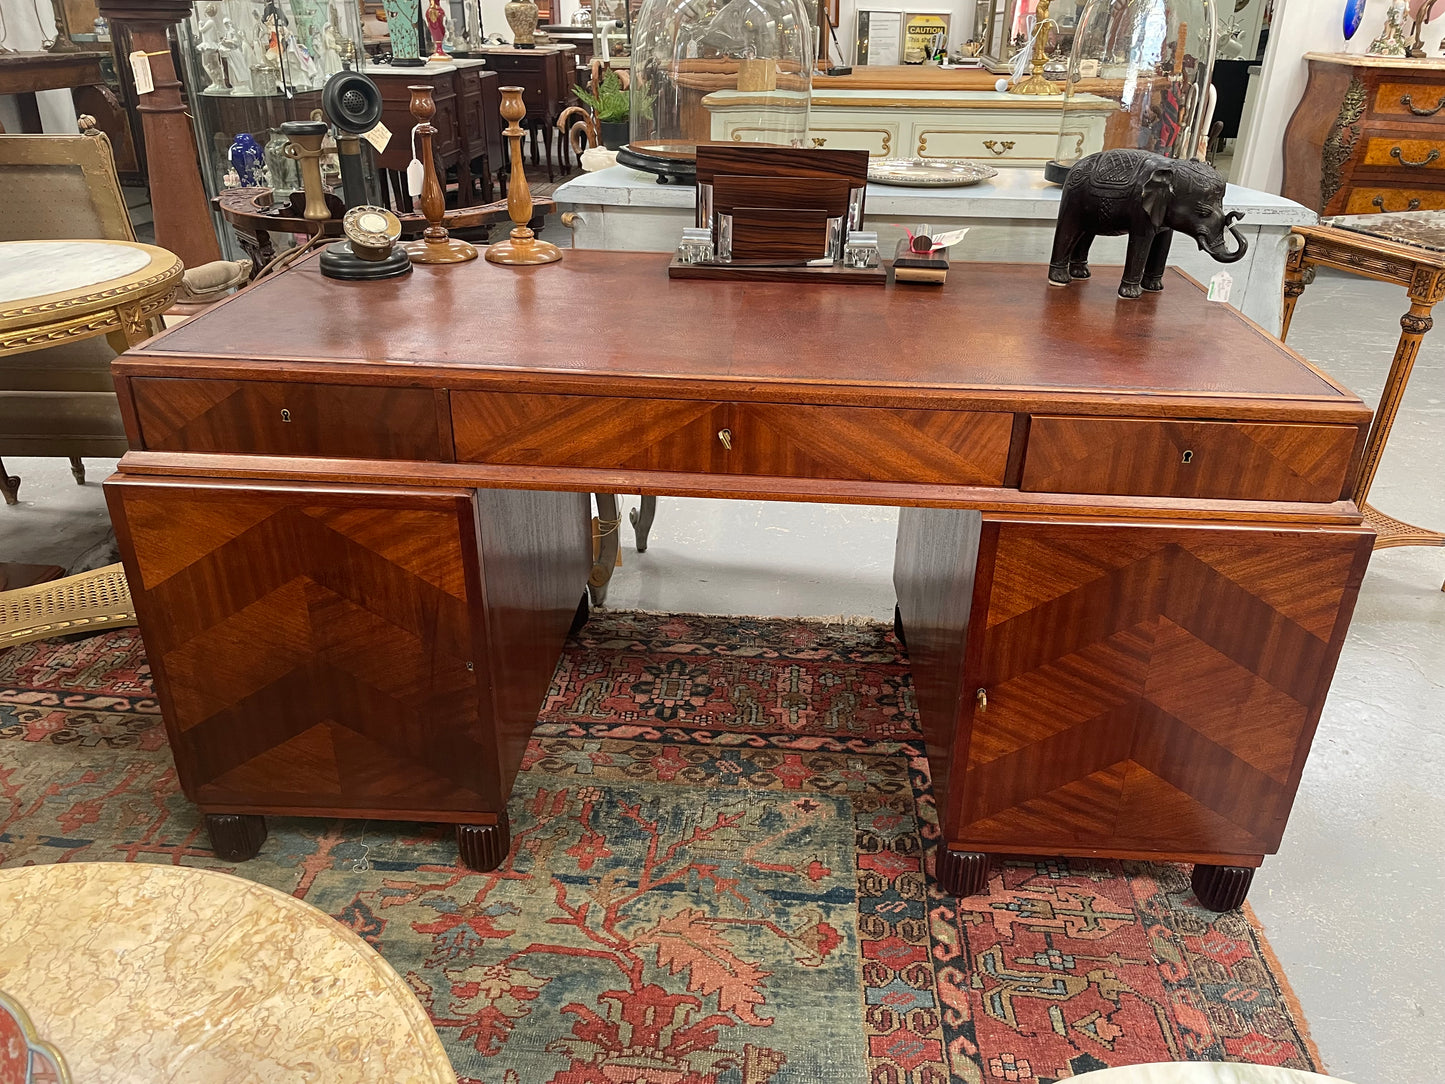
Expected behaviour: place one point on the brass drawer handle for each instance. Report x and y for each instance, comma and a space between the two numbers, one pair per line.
726, 436
999, 146
1399, 156
285, 415
1379, 201
982, 697
1409, 104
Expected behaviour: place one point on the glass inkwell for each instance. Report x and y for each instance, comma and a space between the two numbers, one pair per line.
1148, 62
717, 71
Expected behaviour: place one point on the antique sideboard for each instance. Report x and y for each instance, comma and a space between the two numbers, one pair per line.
353, 521
1367, 135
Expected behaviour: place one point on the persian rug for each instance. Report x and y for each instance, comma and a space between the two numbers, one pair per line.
722, 837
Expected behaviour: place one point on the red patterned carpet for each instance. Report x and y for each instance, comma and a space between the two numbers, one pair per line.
718, 877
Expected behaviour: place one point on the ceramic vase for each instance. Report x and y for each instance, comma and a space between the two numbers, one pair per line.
522, 18
247, 160
401, 25
437, 27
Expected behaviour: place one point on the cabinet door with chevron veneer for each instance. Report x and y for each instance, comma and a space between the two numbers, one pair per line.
328, 651
1130, 690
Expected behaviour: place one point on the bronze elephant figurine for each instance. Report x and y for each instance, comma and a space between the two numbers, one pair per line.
1149, 197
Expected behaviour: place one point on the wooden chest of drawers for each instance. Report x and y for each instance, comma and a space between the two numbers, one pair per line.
1368, 136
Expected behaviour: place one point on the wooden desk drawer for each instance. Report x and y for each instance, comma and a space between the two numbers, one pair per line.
948, 447
588, 431
1153, 458
1376, 199
940, 446
1403, 152
277, 418
1417, 102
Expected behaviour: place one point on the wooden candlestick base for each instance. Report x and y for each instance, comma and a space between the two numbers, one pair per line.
447, 250
523, 248
435, 245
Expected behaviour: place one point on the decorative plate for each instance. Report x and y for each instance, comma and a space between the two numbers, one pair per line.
929, 172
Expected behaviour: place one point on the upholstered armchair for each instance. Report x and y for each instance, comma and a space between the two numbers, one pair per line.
60, 401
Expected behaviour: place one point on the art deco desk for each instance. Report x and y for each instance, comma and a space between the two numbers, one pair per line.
353, 524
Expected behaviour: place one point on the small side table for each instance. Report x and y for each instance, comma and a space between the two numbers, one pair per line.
1406, 248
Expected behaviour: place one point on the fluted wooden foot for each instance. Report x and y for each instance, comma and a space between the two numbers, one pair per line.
236, 837
962, 873
483, 847
1222, 888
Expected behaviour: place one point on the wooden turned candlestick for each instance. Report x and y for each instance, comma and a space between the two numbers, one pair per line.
522, 248
435, 245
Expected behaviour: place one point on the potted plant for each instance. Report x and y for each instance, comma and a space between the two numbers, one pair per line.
611, 104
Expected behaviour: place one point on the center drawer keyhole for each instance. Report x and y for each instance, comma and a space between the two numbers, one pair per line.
1188, 456
286, 417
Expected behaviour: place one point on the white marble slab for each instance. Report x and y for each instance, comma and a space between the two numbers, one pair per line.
1014, 193
35, 268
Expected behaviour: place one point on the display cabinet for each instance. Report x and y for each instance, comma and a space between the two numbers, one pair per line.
251, 65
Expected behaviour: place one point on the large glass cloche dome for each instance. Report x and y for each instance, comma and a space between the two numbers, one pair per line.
717, 71
1150, 62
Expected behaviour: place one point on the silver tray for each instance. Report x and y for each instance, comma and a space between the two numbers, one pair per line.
928, 172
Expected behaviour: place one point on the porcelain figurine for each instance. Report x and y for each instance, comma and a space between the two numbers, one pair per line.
210, 33
1391, 41
1148, 197
247, 160
238, 68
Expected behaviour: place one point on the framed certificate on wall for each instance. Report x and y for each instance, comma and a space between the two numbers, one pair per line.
879, 39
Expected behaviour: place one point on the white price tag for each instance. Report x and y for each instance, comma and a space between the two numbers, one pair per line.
378, 137
140, 66
414, 176
1220, 285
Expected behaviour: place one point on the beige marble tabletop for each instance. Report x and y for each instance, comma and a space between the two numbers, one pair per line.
144, 974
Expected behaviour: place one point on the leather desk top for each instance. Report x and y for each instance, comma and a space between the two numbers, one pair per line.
611, 320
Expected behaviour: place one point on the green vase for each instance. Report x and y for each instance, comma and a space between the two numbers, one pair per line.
401, 18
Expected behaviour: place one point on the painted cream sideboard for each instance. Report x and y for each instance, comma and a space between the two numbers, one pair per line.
1003, 129
1010, 219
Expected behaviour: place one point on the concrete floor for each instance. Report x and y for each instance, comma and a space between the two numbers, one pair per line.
1354, 903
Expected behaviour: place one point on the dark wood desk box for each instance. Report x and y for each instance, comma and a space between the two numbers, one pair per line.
1126, 560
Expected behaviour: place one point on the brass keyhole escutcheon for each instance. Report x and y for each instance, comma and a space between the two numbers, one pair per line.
1188, 456
285, 415
726, 436
982, 697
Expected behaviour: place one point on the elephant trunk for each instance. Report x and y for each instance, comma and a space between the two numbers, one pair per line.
1218, 248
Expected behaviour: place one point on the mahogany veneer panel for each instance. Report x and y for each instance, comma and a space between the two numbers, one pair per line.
279, 418
588, 431
946, 446
1149, 688
1144, 457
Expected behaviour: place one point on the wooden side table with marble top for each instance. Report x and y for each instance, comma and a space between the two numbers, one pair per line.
1406, 248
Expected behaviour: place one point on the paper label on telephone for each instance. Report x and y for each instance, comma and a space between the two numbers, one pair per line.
378, 137
1220, 285
140, 66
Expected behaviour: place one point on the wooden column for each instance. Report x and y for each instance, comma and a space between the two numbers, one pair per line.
178, 198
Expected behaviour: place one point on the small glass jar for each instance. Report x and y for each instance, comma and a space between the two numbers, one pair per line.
696, 245
861, 249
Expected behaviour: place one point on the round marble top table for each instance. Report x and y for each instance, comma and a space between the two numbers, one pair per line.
59, 291
1202, 1072
144, 974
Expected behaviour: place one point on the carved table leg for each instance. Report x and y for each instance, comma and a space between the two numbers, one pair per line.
9, 484
77, 470
961, 873
236, 837
642, 520
1425, 291
1297, 275
484, 847
608, 519
1222, 888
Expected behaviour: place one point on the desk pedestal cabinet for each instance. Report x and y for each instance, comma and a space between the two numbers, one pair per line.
1123, 579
